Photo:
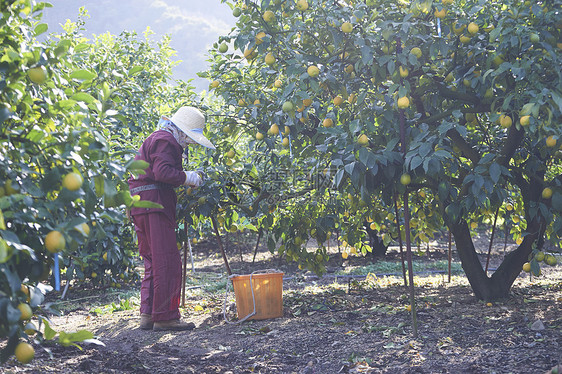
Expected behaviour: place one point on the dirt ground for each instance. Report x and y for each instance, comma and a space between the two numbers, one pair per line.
329, 325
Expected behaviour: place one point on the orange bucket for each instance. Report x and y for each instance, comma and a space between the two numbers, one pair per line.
267, 294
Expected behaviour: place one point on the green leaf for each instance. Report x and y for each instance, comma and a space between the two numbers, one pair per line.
99, 184
49, 332
135, 69
40, 28
4, 251
82, 75
2, 222
146, 204
557, 201
495, 172
83, 96
67, 339
138, 165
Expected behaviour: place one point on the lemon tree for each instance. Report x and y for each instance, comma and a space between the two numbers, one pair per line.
73, 112
441, 90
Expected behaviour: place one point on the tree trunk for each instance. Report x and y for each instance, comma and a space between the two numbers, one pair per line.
499, 284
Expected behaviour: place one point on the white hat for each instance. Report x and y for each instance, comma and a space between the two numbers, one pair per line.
192, 122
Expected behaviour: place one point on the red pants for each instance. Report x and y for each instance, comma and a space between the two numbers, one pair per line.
161, 285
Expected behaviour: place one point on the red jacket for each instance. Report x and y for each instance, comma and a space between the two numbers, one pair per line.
164, 154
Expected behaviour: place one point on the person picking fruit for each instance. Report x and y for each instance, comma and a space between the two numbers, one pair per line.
155, 227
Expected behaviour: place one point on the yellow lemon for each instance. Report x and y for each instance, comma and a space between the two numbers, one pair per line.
274, 129
525, 120
25, 310
440, 13
259, 37
328, 122
416, 52
526, 267
403, 102
302, 5
268, 16
550, 141
546, 193
363, 139
338, 100
269, 59
54, 241
347, 27
505, 121
72, 181
313, 71
24, 352
472, 28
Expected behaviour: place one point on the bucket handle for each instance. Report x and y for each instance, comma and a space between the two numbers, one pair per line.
266, 271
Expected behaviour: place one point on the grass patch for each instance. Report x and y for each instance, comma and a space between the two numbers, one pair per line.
388, 267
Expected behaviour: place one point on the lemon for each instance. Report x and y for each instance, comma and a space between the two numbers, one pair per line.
37, 74
472, 28
363, 139
347, 27
274, 129
285, 142
259, 136
550, 141
403, 102
72, 181
328, 122
269, 59
268, 16
302, 5
24, 352
416, 52
259, 37
54, 241
405, 179
403, 71
307, 102
440, 13
525, 120
526, 267
338, 100
547, 193
26, 311
505, 121
539, 256
313, 71
287, 106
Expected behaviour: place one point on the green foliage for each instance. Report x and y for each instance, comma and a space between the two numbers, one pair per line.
70, 104
453, 142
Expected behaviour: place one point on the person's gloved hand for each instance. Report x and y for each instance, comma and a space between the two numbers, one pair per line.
192, 179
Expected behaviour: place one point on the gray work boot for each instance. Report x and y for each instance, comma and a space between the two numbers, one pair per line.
173, 325
146, 322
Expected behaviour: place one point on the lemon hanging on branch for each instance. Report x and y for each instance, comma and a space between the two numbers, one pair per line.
72, 181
